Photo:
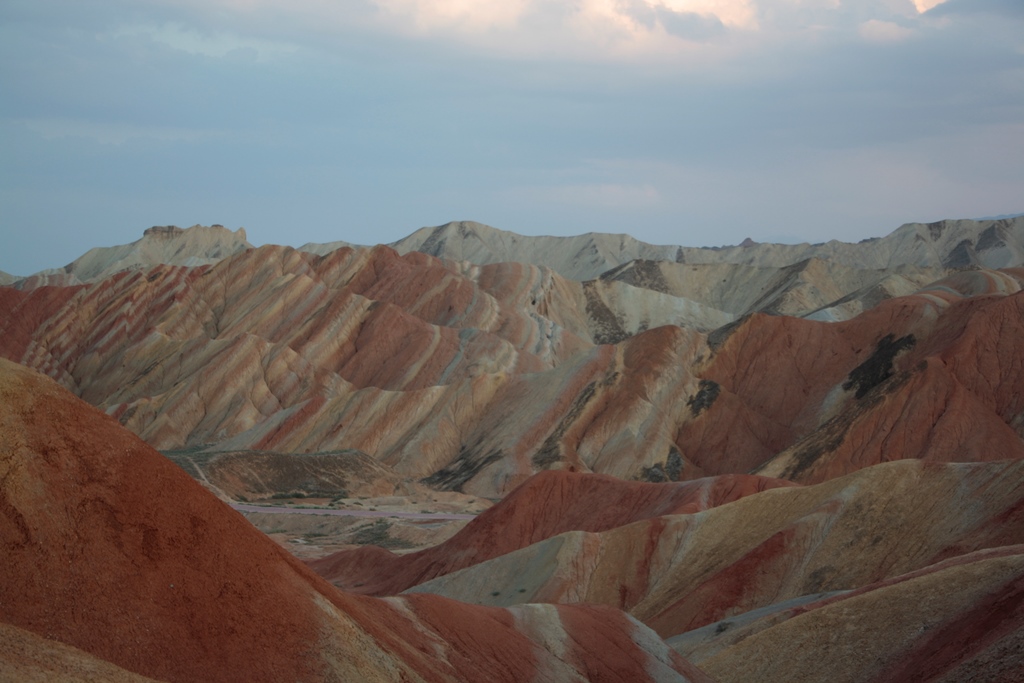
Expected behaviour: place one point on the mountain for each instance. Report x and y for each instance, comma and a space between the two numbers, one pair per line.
813, 287
111, 549
993, 243
806, 465
868, 577
471, 378
685, 571
160, 245
895, 630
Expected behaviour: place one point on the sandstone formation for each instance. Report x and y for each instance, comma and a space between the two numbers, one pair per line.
472, 378
29, 658
893, 570
957, 620
109, 548
548, 504
815, 288
160, 245
992, 243
798, 462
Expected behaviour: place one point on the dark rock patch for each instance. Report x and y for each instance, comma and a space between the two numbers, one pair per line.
707, 392
878, 367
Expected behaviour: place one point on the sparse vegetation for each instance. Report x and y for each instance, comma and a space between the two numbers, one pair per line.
378, 534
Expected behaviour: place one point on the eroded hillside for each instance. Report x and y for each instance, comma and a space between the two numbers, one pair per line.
471, 378
790, 462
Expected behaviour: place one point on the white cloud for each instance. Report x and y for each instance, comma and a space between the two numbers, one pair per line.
469, 15
732, 13
689, 34
925, 5
883, 31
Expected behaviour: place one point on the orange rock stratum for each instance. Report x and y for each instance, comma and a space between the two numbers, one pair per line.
109, 548
472, 378
754, 463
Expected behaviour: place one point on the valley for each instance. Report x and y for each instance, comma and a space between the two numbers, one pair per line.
472, 455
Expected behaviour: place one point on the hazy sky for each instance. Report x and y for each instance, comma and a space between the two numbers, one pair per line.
696, 122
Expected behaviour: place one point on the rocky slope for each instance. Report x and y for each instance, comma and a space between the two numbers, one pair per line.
681, 572
875, 576
29, 658
472, 378
840, 494
160, 245
992, 243
546, 505
111, 549
957, 620
804, 288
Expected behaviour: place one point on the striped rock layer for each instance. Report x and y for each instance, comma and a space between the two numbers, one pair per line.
992, 243
546, 505
472, 378
110, 549
901, 571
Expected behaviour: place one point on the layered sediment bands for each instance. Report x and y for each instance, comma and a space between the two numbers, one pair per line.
953, 395
547, 504
797, 289
472, 378
25, 312
904, 380
29, 658
954, 621
991, 243
679, 573
111, 549
460, 372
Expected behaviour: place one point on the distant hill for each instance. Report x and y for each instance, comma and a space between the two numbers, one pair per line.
161, 244
474, 377
995, 243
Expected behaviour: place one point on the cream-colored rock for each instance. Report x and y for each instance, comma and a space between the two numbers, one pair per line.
167, 245
994, 243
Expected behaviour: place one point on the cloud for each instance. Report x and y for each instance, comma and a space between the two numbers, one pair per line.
469, 15
779, 116
884, 31
1008, 8
691, 26
732, 13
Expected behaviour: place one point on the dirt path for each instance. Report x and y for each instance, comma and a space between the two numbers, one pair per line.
348, 513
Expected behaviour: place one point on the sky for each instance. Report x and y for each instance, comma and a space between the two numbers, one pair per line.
693, 122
